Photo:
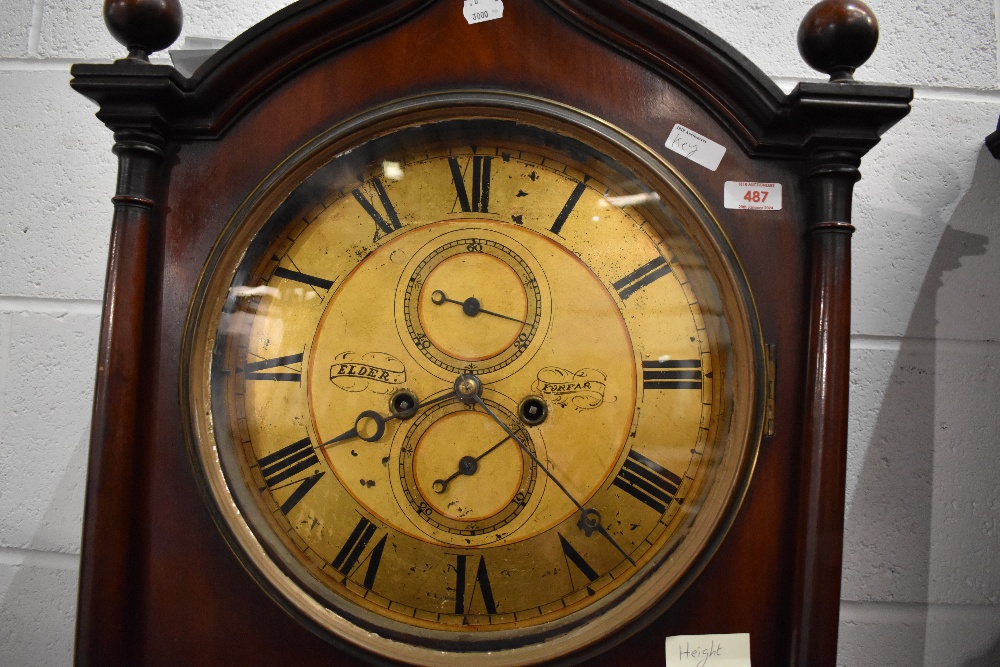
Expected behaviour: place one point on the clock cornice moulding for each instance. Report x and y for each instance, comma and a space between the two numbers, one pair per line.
134, 94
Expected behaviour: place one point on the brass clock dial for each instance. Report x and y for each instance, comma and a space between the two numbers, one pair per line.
464, 379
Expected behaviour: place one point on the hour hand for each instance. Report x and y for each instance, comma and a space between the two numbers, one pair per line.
370, 415
402, 405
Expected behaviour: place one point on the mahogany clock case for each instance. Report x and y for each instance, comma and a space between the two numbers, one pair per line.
159, 583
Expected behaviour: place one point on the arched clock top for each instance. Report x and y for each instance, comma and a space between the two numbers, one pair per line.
133, 93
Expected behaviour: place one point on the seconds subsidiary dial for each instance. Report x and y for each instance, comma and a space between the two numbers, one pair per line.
482, 265
472, 386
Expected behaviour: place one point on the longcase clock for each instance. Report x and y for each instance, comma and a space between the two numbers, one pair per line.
443, 333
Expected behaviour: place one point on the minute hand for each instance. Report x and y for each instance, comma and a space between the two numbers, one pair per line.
590, 520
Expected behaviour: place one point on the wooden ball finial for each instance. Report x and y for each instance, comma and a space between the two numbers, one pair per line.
143, 26
838, 36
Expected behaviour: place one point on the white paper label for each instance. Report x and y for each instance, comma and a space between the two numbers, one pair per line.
695, 147
477, 11
709, 650
757, 196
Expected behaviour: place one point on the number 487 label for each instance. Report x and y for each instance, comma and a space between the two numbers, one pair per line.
759, 196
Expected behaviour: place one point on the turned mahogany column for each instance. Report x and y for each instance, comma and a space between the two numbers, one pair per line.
835, 37
824, 443
114, 485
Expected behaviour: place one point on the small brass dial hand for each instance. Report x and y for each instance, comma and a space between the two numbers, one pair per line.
467, 465
590, 519
470, 306
402, 405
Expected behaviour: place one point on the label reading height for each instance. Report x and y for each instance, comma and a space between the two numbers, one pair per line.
729, 650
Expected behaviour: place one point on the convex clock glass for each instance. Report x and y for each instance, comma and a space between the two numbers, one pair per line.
474, 376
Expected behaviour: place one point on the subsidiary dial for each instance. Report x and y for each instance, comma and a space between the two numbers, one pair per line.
474, 302
461, 479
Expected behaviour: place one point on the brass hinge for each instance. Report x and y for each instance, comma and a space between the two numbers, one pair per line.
770, 355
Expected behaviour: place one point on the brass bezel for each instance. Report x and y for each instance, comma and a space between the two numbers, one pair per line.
654, 588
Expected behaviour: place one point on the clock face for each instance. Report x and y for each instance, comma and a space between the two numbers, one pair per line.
469, 382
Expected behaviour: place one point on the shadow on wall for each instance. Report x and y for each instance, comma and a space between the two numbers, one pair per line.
892, 531
38, 594
991, 658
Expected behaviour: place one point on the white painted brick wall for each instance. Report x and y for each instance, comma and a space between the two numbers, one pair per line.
921, 580
54, 212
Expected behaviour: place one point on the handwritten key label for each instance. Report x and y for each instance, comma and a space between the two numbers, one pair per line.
695, 147
756, 196
477, 11
709, 650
